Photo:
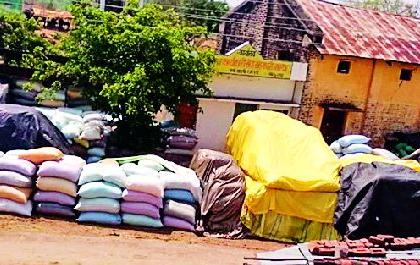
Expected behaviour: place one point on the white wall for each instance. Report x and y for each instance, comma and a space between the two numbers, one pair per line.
213, 123
252, 87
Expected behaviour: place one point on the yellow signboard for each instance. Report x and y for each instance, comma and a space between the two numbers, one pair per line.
245, 60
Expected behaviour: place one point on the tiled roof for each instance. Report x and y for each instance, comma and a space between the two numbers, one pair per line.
365, 33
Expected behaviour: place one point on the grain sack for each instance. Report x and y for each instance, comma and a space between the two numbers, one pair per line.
10, 206
57, 184
17, 165
180, 210
134, 196
100, 152
93, 159
100, 218
106, 205
176, 181
54, 209
100, 190
91, 173
60, 169
173, 222
91, 133
150, 185
19, 195
54, 197
141, 220
357, 149
133, 169
39, 155
114, 175
182, 196
151, 164
352, 139
15, 179
140, 208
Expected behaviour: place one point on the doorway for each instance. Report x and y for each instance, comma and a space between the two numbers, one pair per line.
333, 124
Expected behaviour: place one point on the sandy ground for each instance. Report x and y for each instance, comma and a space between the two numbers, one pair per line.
53, 241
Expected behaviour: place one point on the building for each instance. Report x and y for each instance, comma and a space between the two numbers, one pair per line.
364, 66
245, 81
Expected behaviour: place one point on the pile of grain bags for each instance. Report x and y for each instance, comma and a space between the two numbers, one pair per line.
57, 186
180, 144
16, 185
95, 133
351, 145
87, 131
100, 191
181, 201
142, 198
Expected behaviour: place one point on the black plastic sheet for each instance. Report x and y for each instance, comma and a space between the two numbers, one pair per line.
378, 198
24, 127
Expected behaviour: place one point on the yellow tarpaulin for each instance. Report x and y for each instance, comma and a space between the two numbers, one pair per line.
316, 206
367, 158
283, 153
287, 228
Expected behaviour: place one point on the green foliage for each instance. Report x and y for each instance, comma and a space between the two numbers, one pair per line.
205, 13
398, 7
17, 34
129, 64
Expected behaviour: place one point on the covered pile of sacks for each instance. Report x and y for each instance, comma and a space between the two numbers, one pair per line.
87, 131
292, 177
352, 145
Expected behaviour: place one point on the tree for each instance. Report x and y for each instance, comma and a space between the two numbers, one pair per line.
129, 64
18, 35
399, 7
206, 13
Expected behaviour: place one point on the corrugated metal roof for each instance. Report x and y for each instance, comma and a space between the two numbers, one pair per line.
365, 33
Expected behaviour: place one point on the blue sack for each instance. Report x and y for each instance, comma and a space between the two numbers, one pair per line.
93, 159
100, 190
357, 149
100, 218
353, 139
183, 196
96, 151
54, 209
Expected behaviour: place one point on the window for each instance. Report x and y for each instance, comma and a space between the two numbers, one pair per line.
343, 67
406, 74
241, 108
284, 55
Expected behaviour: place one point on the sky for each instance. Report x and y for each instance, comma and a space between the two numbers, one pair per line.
234, 2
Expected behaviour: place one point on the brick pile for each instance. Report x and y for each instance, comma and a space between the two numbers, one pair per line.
374, 246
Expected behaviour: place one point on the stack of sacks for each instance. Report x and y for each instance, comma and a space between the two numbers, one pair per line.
182, 195
100, 192
95, 132
180, 142
16, 185
22, 96
351, 145
87, 131
142, 199
57, 182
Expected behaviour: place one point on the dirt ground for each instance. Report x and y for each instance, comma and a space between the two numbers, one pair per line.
53, 241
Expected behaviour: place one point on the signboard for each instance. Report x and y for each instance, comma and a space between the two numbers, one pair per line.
245, 60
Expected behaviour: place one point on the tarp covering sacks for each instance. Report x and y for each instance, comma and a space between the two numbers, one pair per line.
24, 128
288, 164
378, 198
223, 185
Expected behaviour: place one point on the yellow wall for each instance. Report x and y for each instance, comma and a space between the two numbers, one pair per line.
392, 105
